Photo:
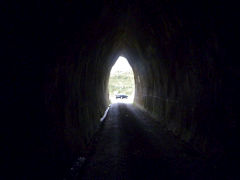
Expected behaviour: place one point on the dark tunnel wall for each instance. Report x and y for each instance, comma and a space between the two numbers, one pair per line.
61, 55
180, 83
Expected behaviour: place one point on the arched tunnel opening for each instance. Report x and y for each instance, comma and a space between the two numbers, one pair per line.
183, 122
121, 84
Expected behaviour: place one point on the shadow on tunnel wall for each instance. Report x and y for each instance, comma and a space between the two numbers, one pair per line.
55, 85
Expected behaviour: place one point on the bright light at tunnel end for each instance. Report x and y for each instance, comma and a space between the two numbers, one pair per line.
121, 81
121, 65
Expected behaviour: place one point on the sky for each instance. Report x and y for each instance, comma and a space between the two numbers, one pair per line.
121, 65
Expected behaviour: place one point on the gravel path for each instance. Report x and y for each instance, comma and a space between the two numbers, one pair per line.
132, 145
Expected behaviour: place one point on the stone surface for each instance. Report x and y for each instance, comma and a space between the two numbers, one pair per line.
57, 60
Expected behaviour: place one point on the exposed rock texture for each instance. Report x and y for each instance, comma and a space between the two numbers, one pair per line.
61, 56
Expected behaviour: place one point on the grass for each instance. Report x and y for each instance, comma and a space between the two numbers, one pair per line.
121, 83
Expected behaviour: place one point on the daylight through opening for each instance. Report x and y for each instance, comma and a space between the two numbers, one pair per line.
121, 83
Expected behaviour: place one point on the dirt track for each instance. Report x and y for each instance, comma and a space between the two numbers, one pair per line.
133, 146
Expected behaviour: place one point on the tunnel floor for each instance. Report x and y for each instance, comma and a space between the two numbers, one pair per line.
132, 145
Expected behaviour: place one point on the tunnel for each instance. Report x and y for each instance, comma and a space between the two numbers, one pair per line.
58, 58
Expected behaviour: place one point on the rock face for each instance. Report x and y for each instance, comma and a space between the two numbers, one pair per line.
182, 55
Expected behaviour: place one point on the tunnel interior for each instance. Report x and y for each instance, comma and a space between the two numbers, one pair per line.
183, 65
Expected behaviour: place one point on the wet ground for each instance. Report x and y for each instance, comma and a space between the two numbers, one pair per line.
131, 145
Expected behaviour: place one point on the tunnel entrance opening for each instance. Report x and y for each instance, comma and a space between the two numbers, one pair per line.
121, 83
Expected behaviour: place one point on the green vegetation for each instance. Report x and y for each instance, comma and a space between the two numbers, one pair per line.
121, 83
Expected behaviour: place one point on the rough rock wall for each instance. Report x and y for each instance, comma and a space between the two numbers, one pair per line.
60, 59
179, 76
56, 84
